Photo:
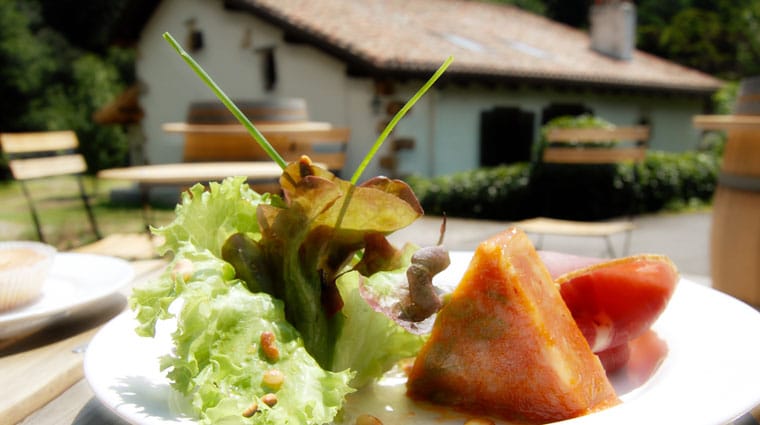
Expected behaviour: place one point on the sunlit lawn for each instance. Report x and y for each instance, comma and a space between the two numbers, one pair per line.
63, 217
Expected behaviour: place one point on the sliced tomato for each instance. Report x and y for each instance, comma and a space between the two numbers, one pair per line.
645, 355
614, 358
615, 301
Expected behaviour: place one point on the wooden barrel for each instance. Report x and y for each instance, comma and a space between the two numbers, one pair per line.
259, 110
735, 234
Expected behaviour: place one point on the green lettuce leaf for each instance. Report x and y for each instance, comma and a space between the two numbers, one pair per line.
218, 360
205, 218
308, 241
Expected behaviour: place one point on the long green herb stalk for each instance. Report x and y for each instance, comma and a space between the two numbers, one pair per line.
262, 141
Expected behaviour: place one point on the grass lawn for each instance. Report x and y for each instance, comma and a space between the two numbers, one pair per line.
62, 214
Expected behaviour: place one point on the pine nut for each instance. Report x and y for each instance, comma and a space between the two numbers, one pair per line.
269, 399
268, 343
273, 379
250, 410
368, 420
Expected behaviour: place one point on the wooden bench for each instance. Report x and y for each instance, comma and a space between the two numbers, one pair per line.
590, 146
46, 154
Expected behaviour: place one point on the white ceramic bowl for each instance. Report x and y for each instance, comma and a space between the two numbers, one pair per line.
24, 266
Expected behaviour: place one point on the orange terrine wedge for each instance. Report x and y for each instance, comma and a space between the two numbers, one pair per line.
505, 344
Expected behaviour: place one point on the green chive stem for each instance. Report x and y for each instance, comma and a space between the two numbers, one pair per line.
260, 139
396, 118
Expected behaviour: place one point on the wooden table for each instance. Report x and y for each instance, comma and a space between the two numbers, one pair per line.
187, 174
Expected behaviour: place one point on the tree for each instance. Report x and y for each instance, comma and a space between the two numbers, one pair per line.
86, 24
47, 83
719, 37
536, 6
570, 12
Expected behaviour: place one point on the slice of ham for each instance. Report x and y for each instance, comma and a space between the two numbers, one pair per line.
559, 263
505, 344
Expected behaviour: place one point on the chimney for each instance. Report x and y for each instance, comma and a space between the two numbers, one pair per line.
613, 28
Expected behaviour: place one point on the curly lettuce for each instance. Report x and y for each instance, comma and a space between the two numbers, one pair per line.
243, 262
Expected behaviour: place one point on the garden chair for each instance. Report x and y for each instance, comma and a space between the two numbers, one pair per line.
590, 146
54, 154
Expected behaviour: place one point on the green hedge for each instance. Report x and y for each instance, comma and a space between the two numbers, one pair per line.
517, 191
495, 192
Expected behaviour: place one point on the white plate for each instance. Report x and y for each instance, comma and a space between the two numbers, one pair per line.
75, 282
711, 374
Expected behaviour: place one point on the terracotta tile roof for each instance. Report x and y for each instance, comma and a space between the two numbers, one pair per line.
487, 40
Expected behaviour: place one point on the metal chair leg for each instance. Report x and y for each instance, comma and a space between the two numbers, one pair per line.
32, 211
147, 210
88, 208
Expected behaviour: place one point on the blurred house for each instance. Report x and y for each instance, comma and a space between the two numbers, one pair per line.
357, 61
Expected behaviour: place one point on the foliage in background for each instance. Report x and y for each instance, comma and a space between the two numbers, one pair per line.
724, 99
719, 37
88, 24
48, 83
536, 6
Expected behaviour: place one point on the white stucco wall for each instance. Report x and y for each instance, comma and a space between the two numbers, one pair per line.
445, 124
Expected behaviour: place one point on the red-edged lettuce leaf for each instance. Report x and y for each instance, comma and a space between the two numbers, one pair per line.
306, 243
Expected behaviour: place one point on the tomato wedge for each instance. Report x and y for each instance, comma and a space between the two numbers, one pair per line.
614, 358
615, 301
643, 356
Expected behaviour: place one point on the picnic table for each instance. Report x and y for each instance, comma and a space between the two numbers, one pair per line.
185, 174
213, 152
